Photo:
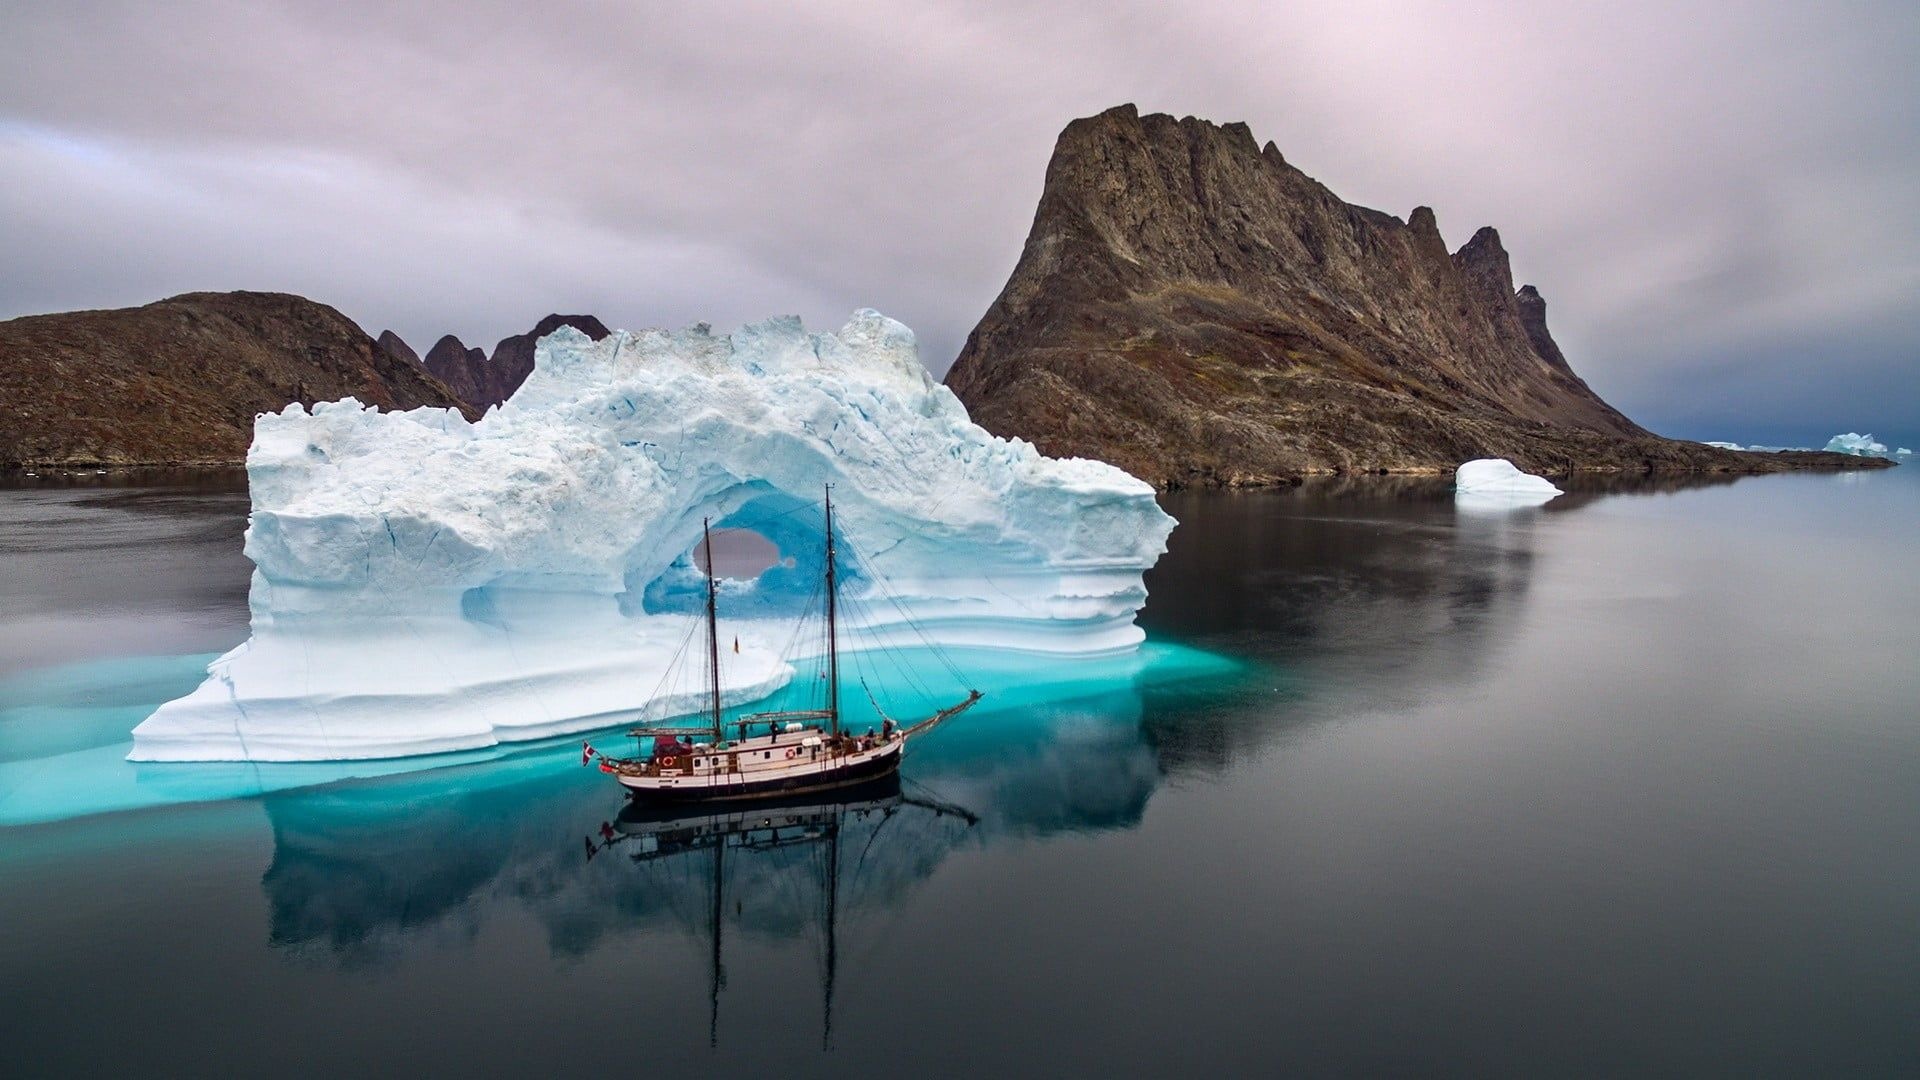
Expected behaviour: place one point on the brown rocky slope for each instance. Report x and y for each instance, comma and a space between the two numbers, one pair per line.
1194, 309
179, 381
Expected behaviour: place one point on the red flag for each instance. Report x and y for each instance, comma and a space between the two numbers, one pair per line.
586, 753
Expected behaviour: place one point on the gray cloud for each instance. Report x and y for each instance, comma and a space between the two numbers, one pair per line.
1716, 199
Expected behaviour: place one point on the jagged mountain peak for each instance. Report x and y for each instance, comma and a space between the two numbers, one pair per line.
1191, 305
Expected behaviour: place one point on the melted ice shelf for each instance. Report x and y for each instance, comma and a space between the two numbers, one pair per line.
423, 584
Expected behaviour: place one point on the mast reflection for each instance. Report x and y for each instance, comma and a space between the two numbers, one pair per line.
811, 831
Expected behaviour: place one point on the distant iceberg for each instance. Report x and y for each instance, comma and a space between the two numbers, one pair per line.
1850, 443
1856, 444
1496, 483
425, 584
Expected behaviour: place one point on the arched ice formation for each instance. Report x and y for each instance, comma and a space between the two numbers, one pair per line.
425, 584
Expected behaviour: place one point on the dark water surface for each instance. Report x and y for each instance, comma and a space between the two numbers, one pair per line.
1625, 785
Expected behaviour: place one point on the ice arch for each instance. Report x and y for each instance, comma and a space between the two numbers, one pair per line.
792, 524
426, 584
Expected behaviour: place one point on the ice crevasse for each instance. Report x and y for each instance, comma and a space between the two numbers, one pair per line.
425, 584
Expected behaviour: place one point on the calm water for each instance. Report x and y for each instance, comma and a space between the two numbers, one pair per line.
1624, 785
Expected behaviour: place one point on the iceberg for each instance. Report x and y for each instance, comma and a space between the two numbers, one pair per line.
424, 584
1850, 443
1856, 444
1496, 484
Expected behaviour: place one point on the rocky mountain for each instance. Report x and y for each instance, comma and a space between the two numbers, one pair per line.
461, 368
481, 382
180, 380
397, 347
1195, 309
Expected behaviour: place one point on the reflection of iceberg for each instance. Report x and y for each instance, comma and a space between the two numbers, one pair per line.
423, 584
1496, 484
363, 869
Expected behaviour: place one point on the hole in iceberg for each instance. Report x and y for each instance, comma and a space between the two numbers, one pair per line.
739, 555
769, 550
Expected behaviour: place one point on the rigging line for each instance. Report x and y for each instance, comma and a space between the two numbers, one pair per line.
897, 649
881, 582
876, 648
879, 633
668, 672
901, 662
800, 625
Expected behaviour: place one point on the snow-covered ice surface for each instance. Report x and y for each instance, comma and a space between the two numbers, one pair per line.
423, 584
1497, 484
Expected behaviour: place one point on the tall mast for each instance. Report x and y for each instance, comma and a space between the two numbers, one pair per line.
719, 975
833, 904
833, 626
713, 629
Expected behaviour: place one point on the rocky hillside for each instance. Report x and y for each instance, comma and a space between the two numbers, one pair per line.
1194, 309
179, 381
481, 382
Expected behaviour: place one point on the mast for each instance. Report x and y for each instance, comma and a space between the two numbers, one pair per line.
713, 629
719, 975
833, 625
833, 904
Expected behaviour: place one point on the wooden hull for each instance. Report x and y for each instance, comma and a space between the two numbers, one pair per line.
857, 769
644, 817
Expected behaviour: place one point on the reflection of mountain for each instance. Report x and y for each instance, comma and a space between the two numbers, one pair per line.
1358, 592
1354, 592
1304, 573
362, 870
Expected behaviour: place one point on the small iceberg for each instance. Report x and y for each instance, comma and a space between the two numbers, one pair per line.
1856, 444
1851, 442
1497, 484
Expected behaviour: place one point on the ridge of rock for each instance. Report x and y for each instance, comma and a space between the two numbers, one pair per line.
180, 380
461, 368
397, 347
1195, 309
482, 382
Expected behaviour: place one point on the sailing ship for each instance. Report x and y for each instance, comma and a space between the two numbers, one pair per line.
776, 753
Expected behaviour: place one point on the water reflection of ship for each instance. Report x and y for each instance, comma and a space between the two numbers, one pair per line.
365, 871
648, 835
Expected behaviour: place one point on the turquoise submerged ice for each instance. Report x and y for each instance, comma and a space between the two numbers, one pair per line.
423, 584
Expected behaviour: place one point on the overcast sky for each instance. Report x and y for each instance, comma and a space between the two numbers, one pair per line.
1721, 202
